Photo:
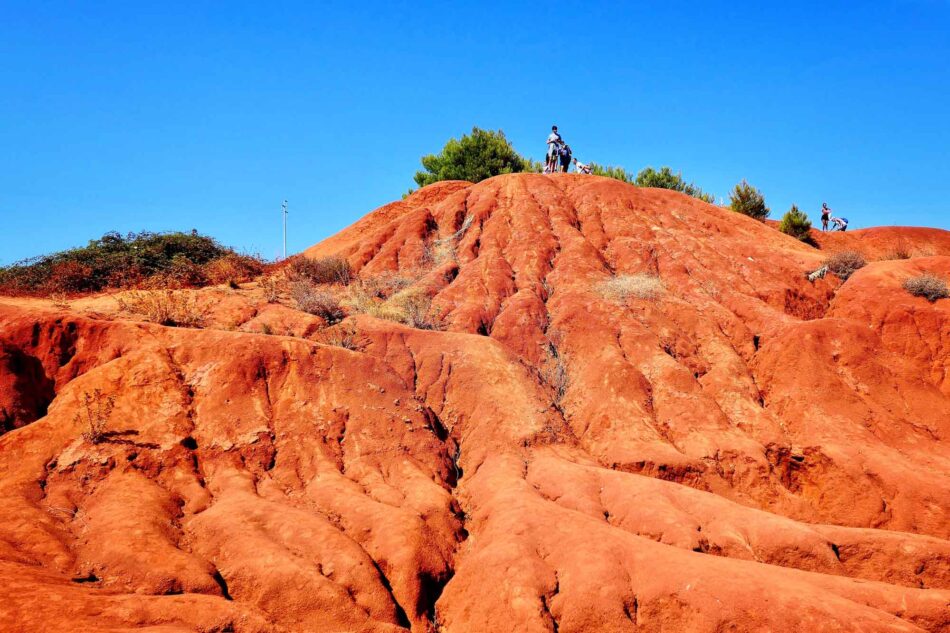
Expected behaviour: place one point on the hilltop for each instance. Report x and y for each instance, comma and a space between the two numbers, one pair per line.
630, 410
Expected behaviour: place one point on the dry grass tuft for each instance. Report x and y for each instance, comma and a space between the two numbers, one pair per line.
165, 307
325, 270
928, 286
59, 300
343, 335
317, 301
639, 286
272, 288
94, 412
845, 263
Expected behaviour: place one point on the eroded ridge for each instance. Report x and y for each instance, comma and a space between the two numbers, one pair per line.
738, 449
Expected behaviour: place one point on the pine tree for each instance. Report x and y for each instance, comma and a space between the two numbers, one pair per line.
748, 200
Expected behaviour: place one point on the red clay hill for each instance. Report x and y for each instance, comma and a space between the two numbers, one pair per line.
635, 413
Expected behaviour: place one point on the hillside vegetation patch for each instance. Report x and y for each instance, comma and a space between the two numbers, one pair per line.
135, 260
845, 263
929, 286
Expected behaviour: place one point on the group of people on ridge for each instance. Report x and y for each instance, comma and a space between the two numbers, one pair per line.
559, 161
559, 156
840, 224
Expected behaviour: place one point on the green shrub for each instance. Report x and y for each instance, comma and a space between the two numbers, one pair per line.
474, 157
748, 200
666, 179
796, 224
845, 263
324, 270
117, 261
617, 173
929, 286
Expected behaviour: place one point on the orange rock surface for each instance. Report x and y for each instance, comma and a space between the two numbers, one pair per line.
737, 450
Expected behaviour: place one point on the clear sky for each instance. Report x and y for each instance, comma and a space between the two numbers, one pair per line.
119, 115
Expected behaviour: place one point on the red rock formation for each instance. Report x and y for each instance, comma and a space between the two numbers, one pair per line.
739, 449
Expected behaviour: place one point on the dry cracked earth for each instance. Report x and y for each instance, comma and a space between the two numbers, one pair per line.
744, 451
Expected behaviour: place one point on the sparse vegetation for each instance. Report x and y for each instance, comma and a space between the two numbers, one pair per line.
272, 288
317, 301
929, 286
748, 200
639, 286
666, 179
165, 307
845, 263
324, 270
94, 412
796, 224
410, 307
59, 300
610, 171
554, 374
342, 335
474, 157
131, 261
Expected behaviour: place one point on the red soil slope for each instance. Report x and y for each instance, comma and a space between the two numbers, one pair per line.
745, 451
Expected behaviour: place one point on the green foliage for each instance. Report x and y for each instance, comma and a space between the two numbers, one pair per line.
618, 173
474, 157
115, 261
748, 200
666, 179
796, 224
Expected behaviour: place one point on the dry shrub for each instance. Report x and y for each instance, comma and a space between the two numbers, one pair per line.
343, 335
410, 307
385, 285
232, 269
929, 286
554, 374
94, 412
59, 300
639, 286
845, 263
272, 288
317, 301
165, 307
325, 270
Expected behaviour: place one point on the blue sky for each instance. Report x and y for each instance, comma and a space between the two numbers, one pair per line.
206, 115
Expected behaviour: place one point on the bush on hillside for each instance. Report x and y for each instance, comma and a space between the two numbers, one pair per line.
165, 307
748, 200
317, 301
929, 286
324, 270
796, 224
474, 157
666, 179
617, 173
116, 261
845, 263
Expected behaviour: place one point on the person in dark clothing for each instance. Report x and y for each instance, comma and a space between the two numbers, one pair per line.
825, 216
565, 158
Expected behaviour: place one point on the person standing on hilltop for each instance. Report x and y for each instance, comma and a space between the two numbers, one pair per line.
565, 154
825, 216
554, 146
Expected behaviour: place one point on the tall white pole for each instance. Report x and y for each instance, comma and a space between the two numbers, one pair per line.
283, 208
